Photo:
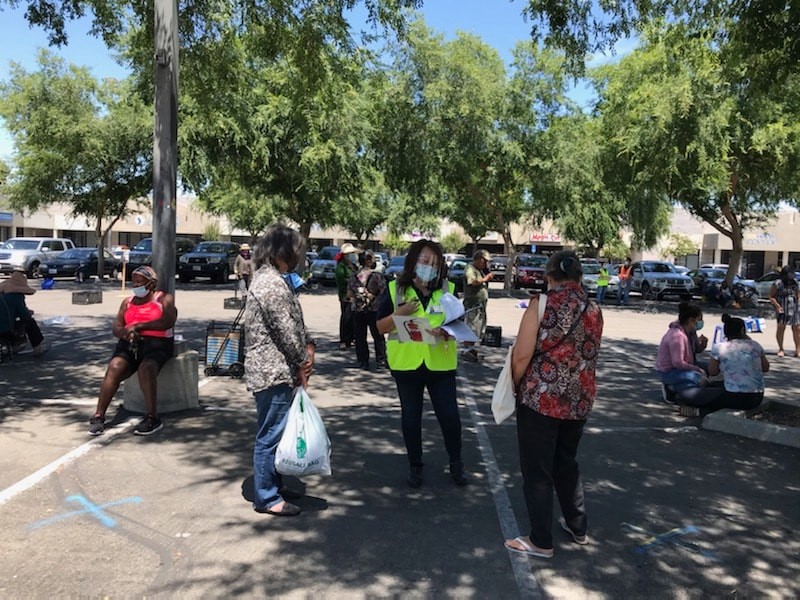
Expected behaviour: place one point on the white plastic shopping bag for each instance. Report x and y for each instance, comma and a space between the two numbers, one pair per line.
504, 403
305, 448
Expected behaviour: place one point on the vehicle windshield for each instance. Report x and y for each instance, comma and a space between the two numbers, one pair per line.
77, 253
328, 253
590, 268
210, 248
21, 245
458, 265
715, 273
657, 268
145, 245
532, 261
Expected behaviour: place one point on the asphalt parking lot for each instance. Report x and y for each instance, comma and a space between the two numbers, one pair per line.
674, 511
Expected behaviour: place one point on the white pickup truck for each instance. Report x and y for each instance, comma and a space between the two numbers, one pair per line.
27, 253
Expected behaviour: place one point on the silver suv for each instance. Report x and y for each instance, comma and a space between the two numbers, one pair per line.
654, 279
29, 252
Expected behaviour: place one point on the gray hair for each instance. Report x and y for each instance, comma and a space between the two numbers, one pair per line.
564, 265
281, 242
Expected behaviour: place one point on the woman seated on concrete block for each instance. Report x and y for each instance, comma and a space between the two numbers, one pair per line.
144, 327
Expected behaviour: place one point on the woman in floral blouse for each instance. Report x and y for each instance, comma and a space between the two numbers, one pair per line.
553, 365
279, 355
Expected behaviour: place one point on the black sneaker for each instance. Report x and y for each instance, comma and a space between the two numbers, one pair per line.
149, 425
458, 474
97, 425
414, 478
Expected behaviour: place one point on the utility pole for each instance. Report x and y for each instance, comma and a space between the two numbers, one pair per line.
165, 142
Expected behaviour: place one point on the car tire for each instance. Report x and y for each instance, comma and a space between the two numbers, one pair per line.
33, 270
223, 277
646, 292
184, 278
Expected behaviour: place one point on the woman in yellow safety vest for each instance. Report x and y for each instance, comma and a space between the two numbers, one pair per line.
416, 365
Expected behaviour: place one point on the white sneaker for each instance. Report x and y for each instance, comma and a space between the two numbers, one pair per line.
42, 348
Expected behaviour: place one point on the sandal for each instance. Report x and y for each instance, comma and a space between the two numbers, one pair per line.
780, 353
287, 510
527, 548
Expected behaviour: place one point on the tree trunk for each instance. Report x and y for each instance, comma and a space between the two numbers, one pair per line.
101, 236
305, 232
508, 247
737, 242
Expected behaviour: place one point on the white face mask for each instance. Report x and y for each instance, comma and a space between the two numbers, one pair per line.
140, 291
426, 273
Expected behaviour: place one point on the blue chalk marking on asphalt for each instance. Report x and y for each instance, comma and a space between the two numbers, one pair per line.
90, 508
673, 536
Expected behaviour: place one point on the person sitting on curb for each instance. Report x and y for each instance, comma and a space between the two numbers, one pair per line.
144, 327
13, 310
675, 362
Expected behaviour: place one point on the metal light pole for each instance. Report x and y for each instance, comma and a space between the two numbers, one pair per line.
165, 142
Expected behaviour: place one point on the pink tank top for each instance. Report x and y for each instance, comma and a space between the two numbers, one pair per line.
149, 311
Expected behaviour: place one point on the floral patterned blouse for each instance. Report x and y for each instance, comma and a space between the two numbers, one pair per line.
560, 381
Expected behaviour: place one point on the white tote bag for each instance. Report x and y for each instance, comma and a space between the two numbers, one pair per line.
504, 401
305, 448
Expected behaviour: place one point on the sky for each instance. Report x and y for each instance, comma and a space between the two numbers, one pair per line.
498, 22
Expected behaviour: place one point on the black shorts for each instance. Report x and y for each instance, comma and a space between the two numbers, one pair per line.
159, 350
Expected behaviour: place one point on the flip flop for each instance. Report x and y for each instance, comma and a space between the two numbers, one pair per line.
287, 510
527, 549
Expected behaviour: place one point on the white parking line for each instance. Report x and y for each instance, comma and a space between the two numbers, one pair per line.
527, 584
34, 478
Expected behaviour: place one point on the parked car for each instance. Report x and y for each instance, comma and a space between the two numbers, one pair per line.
208, 259
381, 261
680, 269
29, 253
591, 271
764, 283
656, 279
142, 254
80, 263
118, 251
714, 266
528, 271
455, 273
704, 277
498, 266
395, 267
322, 269
450, 257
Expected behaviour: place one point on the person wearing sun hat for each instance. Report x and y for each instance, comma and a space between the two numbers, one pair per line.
243, 268
12, 307
346, 267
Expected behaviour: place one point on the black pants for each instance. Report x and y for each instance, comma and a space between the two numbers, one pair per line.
442, 390
361, 322
32, 330
547, 451
713, 398
346, 323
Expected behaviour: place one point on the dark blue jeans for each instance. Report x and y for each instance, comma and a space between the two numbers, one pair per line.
547, 450
272, 405
442, 390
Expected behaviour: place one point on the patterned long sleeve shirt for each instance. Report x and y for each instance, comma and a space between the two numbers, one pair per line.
275, 334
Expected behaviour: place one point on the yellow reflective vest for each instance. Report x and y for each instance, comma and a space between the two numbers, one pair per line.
409, 356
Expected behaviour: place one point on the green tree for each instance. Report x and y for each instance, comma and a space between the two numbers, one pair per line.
453, 242
211, 232
686, 128
678, 246
78, 142
395, 243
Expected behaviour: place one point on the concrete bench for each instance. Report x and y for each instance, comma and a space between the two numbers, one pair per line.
177, 386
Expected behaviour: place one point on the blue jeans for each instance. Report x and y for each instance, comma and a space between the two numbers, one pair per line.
272, 405
601, 293
624, 291
678, 380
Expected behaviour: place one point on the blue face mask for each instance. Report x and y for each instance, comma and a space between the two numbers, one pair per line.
140, 291
699, 325
426, 273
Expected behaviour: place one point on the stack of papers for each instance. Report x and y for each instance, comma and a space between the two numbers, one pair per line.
418, 329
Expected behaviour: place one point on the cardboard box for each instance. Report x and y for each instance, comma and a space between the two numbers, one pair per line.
87, 297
